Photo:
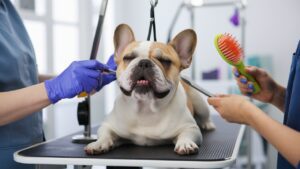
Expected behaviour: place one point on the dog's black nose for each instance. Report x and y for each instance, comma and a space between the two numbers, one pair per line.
145, 63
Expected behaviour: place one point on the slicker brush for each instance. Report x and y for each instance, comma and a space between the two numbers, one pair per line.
230, 50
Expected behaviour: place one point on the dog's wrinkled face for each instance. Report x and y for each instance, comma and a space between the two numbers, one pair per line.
151, 69
142, 73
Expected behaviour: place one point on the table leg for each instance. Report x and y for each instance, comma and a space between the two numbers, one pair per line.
51, 166
249, 147
82, 167
109, 167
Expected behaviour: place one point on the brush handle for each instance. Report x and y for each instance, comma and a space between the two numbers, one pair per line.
241, 68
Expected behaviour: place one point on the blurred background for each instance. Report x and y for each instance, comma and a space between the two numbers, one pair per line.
62, 31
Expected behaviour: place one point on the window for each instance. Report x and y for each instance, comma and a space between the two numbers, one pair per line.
53, 26
37, 7
59, 37
66, 46
65, 33
37, 32
65, 11
61, 32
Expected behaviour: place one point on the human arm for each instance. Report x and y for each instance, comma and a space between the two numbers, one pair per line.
237, 109
78, 77
23, 102
44, 77
271, 92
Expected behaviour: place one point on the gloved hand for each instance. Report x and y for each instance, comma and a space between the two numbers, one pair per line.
111, 63
80, 76
107, 78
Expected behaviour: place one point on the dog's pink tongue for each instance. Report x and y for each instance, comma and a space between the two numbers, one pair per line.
143, 82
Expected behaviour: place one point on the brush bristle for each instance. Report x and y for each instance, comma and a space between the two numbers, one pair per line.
230, 48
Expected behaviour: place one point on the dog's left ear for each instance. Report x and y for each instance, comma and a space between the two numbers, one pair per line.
184, 44
122, 37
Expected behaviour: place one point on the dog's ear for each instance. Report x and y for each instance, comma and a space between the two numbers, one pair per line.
184, 44
122, 37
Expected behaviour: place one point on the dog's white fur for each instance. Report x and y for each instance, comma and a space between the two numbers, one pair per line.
145, 120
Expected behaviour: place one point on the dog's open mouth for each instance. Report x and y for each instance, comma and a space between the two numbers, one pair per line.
144, 85
142, 82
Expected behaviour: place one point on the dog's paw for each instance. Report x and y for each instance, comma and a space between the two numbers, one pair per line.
208, 125
99, 147
186, 147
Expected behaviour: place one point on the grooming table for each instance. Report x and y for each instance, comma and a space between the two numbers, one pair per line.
219, 149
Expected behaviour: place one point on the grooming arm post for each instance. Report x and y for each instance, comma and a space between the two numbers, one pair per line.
83, 111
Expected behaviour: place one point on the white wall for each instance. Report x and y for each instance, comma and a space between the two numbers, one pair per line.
274, 28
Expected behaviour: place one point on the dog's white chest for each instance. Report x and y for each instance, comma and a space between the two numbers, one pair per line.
145, 127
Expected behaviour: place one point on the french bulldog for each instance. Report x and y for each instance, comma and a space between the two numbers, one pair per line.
155, 106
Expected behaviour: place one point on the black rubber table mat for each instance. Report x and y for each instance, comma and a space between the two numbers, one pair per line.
217, 145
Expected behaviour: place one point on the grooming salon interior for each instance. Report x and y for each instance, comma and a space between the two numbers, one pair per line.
155, 84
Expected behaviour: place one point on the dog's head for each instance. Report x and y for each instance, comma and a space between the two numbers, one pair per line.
151, 69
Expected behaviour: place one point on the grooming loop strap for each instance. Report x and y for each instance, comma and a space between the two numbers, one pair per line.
152, 20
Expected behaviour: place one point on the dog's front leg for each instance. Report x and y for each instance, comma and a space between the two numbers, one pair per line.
106, 141
188, 140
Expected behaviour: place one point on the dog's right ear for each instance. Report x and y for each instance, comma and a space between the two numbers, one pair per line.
184, 44
122, 37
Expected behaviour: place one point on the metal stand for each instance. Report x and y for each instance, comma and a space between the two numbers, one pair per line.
83, 167
248, 133
191, 6
123, 167
83, 116
83, 109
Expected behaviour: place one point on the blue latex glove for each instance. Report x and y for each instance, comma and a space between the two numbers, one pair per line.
111, 63
107, 78
80, 76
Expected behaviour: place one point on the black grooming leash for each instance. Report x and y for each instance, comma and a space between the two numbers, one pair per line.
152, 20
152, 25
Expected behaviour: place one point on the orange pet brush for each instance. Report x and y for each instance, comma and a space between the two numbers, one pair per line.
230, 50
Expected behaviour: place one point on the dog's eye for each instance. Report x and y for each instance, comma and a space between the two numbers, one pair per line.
164, 61
128, 58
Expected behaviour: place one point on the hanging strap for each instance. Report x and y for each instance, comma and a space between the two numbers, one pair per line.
152, 20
